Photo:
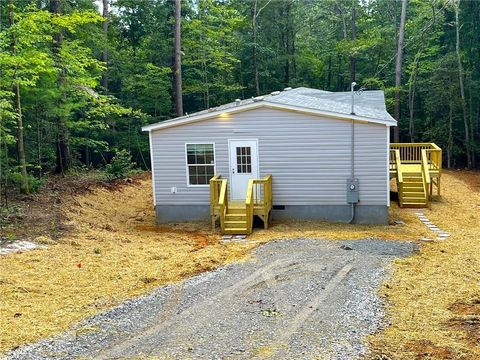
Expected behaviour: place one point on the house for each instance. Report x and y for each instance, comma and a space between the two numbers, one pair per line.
314, 154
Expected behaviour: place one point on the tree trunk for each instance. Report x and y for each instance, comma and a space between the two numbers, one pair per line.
254, 49
63, 159
411, 103
20, 142
340, 81
293, 52
462, 88
22, 164
450, 137
411, 94
286, 66
471, 122
340, 78
178, 58
105, 49
398, 70
255, 16
329, 73
353, 59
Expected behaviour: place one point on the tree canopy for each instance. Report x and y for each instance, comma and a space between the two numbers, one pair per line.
76, 86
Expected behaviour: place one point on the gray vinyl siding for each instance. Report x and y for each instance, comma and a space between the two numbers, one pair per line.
308, 156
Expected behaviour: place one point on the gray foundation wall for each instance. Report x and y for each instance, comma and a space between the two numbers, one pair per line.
364, 214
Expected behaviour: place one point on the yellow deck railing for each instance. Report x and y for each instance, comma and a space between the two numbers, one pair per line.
249, 205
426, 176
215, 185
223, 203
412, 154
396, 166
262, 198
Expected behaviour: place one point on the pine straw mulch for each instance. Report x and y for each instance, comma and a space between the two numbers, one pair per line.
434, 296
114, 251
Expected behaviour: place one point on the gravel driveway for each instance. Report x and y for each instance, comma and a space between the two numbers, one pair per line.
295, 299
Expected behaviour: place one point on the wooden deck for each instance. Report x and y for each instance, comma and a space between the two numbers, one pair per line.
417, 168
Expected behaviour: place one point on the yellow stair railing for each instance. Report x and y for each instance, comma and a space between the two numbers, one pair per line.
426, 176
416, 168
215, 185
396, 165
249, 205
263, 198
237, 219
223, 203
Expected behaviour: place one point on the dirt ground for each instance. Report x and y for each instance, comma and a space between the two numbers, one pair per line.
103, 247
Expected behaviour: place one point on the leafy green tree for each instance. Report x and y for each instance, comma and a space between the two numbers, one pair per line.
23, 60
209, 60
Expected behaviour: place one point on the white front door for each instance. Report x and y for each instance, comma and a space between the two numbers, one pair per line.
243, 166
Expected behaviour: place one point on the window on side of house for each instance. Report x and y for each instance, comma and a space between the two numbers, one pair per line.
200, 163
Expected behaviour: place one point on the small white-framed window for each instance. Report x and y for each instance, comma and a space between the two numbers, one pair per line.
200, 163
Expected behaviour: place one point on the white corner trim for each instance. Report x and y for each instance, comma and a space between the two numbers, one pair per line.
152, 165
388, 166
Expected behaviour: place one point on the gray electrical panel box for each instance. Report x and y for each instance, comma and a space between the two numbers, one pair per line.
353, 188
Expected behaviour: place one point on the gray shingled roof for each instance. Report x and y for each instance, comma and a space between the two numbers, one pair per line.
368, 104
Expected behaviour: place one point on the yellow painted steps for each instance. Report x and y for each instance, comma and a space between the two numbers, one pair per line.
413, 192
236, 221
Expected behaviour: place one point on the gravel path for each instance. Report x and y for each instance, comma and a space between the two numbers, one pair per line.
296, 299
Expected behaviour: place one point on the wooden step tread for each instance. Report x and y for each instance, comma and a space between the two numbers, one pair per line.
236, 211
412, 193
414, 205
413, 199
236, 231
236, 222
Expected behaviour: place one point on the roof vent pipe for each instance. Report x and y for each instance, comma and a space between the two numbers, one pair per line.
237, 102
352, 87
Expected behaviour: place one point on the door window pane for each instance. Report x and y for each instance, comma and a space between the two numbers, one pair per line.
244, 160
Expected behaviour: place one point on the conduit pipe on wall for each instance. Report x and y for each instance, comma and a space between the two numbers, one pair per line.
352, 148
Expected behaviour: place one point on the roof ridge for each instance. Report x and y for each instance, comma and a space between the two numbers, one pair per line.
372, 107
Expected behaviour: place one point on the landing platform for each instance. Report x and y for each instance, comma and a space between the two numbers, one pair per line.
411, 168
